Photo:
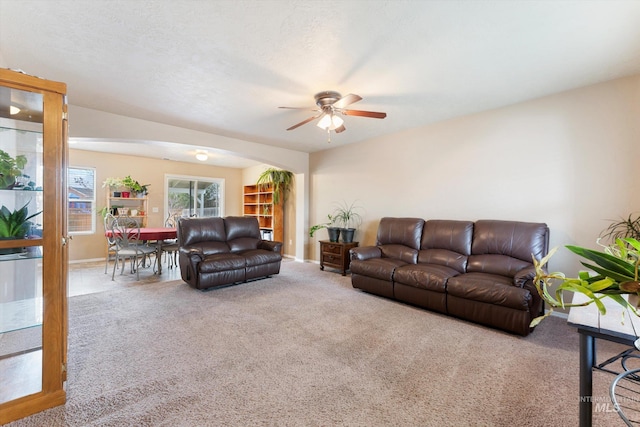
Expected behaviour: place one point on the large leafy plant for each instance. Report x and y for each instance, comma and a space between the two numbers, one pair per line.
280, 180
15, 224
615, 273
10, 168
348, 215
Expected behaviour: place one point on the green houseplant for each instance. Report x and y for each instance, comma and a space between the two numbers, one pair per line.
334, 232
622, 228
16, 224
135, 186
280, 180
10, 168
616, 274
349, 217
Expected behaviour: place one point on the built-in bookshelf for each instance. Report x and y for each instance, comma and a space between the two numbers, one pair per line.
258, 203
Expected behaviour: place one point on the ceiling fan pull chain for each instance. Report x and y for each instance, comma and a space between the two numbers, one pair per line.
328, 136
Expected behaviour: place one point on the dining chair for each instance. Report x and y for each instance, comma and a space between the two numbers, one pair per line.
170, 247
126, 232
625, 396
111, 243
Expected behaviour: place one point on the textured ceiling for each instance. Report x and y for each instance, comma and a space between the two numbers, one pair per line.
225, 66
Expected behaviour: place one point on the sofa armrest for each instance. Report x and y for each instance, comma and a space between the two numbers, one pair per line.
365, 252
270, 245
194, 255
523, 276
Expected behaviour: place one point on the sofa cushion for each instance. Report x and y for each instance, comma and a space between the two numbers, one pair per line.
490, 289
424, 276
211, 248
260, 256
221, 262
496, 264
454, 236
511, 238
243, 233
379, 268
400, 231
443, 257
197, 230
400, 252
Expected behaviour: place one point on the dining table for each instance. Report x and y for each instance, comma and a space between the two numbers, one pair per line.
158, 235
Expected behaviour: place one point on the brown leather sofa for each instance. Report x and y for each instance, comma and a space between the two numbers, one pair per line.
479, 271
217, 252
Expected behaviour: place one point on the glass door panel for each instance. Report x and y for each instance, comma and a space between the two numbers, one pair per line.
21, 219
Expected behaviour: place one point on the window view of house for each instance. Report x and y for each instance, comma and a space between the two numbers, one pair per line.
82, 200
194, 196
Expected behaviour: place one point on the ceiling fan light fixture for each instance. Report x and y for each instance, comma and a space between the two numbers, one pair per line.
202, 155
325, 122
330, 122
336, 122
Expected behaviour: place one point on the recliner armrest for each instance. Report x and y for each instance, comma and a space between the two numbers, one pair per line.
195, 255
523, 276
270, 245
365, 252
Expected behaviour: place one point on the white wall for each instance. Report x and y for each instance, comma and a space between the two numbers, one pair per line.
569, 160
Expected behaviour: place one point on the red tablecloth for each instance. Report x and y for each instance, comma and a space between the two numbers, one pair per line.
154, 233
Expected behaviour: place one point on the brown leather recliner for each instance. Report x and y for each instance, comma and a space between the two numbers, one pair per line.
479, 271
222, 251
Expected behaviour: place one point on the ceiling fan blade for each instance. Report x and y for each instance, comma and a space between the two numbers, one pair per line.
300, 108
304, 122
347, 100
340, 129
372, 114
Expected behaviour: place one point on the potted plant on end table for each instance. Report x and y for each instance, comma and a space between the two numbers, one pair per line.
334, 232
349, 217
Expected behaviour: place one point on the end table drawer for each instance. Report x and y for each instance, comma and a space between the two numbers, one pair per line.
332, 259
330, 248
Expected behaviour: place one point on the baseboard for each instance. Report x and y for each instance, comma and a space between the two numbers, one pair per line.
559, 314
80, 261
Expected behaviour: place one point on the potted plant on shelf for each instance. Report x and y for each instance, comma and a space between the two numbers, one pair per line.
136, 188
15, 225
349, 217
280, 180
113, 184
334, 232
10, 169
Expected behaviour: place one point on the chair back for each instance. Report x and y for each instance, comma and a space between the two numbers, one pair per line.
125, 231
172, 220
108, 221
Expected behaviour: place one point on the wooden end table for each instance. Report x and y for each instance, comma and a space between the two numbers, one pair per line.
336, 255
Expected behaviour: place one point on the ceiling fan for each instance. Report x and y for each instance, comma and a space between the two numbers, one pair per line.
330, 105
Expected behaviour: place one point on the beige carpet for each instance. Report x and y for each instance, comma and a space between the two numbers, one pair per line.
305, 349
